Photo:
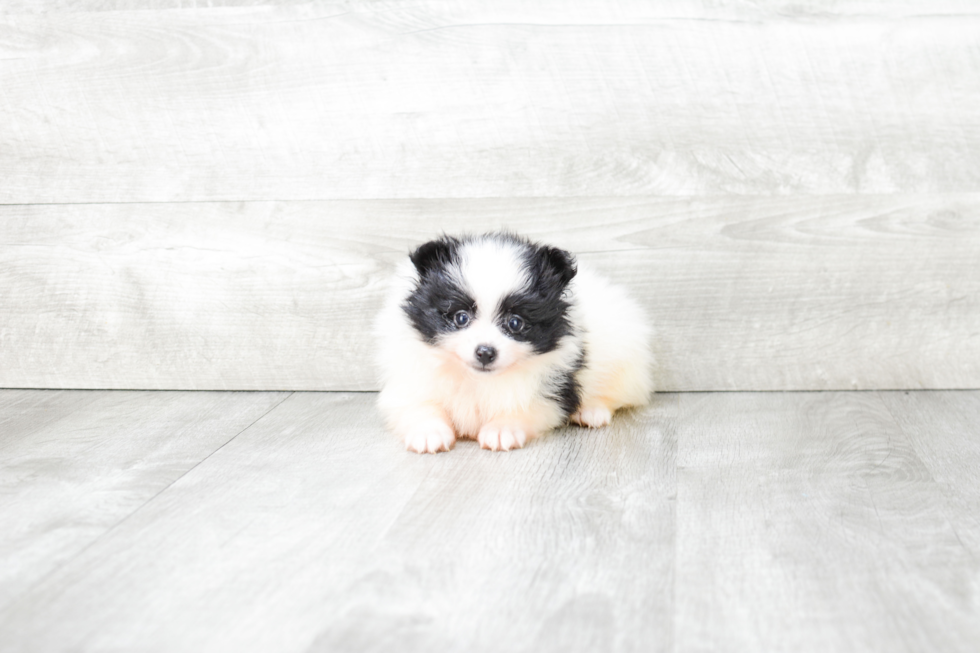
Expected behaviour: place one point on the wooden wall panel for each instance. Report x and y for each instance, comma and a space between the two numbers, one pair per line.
210, 194
471, 99
846, 292
719, 9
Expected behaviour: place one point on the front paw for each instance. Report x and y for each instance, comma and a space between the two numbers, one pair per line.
501, 437
430, 436
593, 416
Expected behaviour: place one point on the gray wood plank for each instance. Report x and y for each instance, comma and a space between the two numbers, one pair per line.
811, 293
944, 429
807, 522
727, 9
423, 99
13, 7
314, 530
25, 412
829, 521
74, 465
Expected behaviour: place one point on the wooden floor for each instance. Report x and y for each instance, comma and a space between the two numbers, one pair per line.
205, 521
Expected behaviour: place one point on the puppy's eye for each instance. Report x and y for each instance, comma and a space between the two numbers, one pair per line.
515, 324
461, 319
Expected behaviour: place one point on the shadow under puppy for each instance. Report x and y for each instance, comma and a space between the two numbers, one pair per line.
499, 339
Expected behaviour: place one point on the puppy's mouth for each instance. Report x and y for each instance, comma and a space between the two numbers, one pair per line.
484, 369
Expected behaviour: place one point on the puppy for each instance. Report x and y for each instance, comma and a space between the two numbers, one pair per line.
499, 339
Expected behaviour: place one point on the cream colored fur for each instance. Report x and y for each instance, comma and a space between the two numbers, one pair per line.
616, 338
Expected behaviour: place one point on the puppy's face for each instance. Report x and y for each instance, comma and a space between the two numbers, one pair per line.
490, 302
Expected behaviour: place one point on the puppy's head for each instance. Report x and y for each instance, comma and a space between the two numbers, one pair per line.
490, 302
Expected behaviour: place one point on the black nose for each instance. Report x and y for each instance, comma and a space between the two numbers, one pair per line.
486, 354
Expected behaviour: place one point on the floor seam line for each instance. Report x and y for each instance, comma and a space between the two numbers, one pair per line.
207, 457
143, 505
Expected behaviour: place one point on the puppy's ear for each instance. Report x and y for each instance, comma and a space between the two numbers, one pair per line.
433, 254
559, 262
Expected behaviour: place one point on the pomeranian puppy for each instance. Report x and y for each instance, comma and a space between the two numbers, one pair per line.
499, 339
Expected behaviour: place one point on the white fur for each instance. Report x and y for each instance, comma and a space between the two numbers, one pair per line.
616, 337
432, 395
490, 269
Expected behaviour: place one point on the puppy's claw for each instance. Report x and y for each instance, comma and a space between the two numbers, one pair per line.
431, 436
501, 438
593, 416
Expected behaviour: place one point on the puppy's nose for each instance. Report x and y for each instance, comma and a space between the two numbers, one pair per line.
486, 354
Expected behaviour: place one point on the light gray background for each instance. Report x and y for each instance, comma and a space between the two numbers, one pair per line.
212, 198
209, 196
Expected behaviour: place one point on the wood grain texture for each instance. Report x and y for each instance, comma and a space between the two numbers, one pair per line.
810, 293
727, 9
808, 523
313, 530
943, 429
705, 522
15, 7
432, 99
75, 465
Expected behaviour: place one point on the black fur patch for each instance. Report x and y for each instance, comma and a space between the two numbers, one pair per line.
542, 304
569, 392
436, 297
435, 255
